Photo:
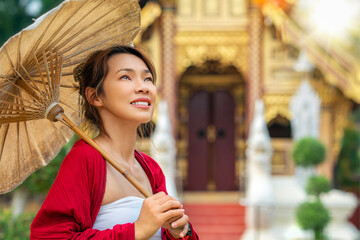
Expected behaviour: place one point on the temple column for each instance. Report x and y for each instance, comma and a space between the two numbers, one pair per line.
254, 77
326, 138
168, 89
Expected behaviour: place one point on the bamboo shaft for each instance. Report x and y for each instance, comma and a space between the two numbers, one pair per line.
107, 157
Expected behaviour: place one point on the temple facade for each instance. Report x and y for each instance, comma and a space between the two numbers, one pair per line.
214, 59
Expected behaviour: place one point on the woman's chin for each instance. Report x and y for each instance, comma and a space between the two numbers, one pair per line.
143, 120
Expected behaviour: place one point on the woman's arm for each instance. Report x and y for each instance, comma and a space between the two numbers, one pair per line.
71, 206
119, 232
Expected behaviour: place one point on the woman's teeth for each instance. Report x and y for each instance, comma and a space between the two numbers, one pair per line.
141, 103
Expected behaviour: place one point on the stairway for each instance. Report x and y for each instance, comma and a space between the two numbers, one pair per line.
217, 221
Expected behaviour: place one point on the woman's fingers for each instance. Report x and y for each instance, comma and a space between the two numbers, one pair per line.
164, 202
157, 195
161, 198
179, 227
184, 231
180, 222
174, 213
170, 204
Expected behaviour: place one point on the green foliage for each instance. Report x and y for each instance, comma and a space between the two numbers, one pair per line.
313, 216
15, 16
317, 185
41, 181
348, 166
15, 229
355, 116
308, 152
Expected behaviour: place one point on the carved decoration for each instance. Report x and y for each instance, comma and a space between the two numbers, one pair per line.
276, 105
195, 48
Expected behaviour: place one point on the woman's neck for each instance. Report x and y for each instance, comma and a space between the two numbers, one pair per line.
118, 140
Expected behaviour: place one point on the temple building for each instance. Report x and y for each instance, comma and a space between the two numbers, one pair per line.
216, 58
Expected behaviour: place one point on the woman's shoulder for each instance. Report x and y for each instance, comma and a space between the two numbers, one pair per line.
156, 175
82, 147
82, 153
149, 161
151, 164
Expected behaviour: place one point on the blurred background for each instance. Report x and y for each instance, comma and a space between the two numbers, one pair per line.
243, 82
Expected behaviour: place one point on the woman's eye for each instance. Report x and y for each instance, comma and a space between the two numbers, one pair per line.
148, 79
124, 77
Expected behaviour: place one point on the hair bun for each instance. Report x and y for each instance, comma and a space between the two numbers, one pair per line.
77, 72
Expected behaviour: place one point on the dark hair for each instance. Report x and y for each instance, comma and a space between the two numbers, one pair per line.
92, 73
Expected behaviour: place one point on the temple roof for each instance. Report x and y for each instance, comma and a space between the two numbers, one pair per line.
339, 64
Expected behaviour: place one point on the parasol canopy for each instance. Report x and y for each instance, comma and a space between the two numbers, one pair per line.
36, 75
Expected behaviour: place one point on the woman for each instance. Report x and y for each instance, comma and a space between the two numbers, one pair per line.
89, 198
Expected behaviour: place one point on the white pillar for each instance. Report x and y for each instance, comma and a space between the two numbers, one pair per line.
259, 191
163, 148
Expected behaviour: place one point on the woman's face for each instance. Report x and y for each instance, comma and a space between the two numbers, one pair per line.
129, 91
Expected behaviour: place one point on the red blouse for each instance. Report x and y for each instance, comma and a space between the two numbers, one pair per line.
73, 202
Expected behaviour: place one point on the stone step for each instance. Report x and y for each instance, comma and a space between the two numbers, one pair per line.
217, 221
215, 209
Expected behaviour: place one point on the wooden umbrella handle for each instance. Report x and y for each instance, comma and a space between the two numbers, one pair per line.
107, 157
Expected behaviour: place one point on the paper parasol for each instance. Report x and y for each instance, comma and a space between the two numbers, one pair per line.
36, 81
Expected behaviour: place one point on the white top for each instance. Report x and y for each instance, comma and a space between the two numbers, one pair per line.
124, 210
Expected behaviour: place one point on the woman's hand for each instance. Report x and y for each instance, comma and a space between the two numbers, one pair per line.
179, 227
155, 212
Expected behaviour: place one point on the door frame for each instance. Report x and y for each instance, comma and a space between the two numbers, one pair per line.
235, 85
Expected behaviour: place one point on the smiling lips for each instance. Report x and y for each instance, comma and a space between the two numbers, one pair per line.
141, 103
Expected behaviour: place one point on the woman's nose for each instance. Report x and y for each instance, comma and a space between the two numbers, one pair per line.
141, 86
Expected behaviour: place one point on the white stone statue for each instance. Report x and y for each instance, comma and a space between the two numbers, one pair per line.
305, 109
259, 192
303, 64
163, 148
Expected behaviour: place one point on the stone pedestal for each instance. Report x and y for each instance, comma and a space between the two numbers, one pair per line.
289, 195
341, 206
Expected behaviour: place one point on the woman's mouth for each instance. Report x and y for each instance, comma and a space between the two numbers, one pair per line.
141, 103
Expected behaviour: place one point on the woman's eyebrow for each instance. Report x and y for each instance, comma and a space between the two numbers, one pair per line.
125, 70
131, 70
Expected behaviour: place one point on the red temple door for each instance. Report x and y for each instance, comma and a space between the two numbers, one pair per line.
211, 148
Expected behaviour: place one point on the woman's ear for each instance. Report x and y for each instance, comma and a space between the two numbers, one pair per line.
92, 98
